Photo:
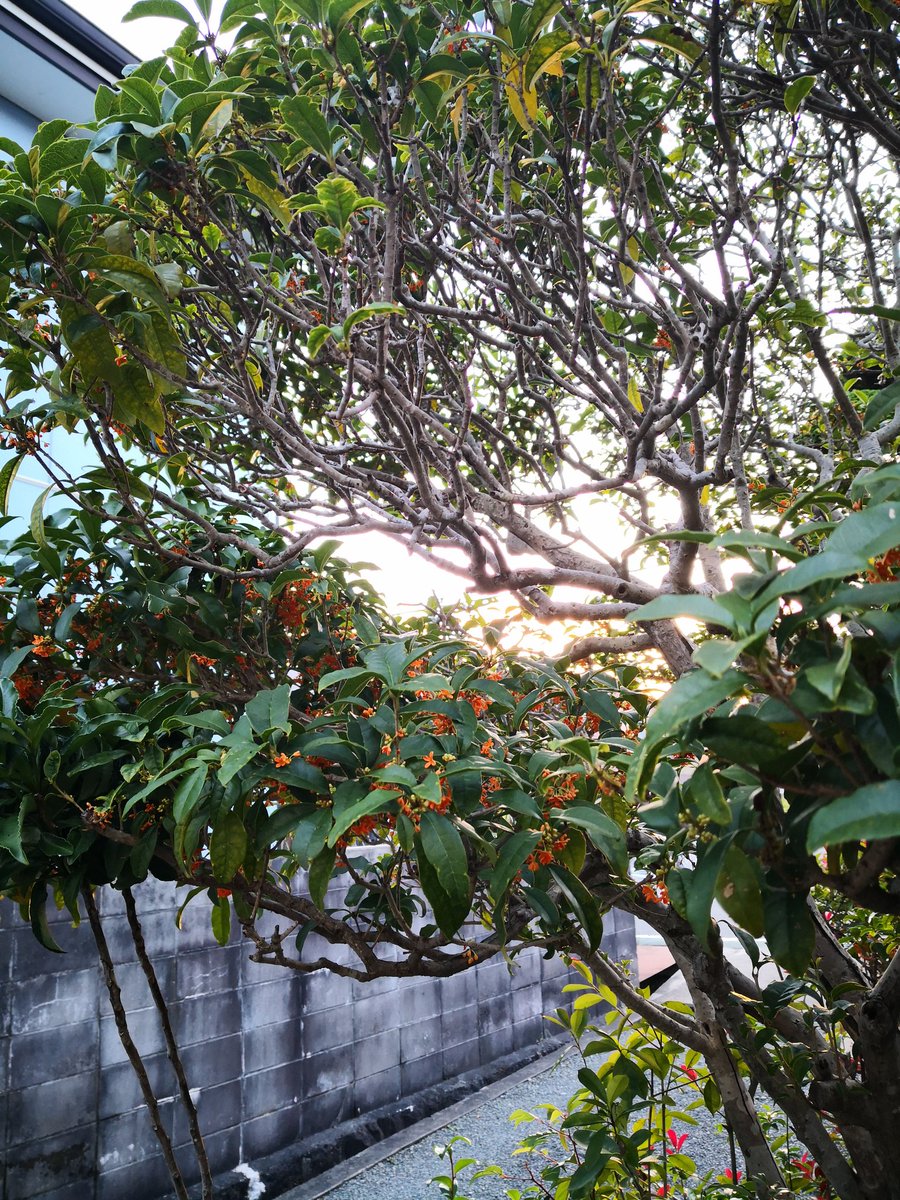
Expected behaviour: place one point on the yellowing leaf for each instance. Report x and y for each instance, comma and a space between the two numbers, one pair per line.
634, 395
546, 55
704, 495
456, 113
272, 199
218, 120
634, 250
523, 101
255, 374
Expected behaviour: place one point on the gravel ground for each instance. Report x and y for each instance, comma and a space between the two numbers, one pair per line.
405, 1175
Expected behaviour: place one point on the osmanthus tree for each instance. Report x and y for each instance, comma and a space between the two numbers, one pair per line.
478, 277
174, 714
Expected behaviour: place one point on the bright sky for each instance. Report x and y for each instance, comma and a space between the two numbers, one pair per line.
146, 37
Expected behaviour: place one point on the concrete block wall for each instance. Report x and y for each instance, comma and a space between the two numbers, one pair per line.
278, 1057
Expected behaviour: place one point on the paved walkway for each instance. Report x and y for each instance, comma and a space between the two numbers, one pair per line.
400, 1167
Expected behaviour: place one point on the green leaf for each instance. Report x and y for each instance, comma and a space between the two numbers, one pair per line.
789, 929
705, 792
37, 912
309, 836
882, 406
211, 718
51, 765
342, 11
700, 885
389, 662
320, 871
687, 699
270, 710
373, 802
306, 122
317, 338
330, 240
543, 906
573, 854
870, 813
220, 920
196, 101
187, 794
135, 398
301, 774
11, 834
234, 12
119, 238
271, 198
599, 1150
795, 93
218, 120
738, 891
235, 759
142, 854
603, 832
699, 608
7, 478
582, 903
872, 310
717, 655
542, 13
159, 8
171, 276
674, 38
828, 677
227, 847
442, 846
36, 521
141, 93
395, 773
677, 882
429, 788
860, 537
27, 615
338, 199
378, 308
557, 44
345, 675
63, 626
132, 276
509, 862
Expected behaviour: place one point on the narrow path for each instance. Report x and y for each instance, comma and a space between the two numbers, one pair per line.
400, 1168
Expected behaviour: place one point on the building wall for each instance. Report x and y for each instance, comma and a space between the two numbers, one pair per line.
278, 1057
16, 123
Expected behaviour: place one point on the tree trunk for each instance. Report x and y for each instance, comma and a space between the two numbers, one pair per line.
736, 1101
